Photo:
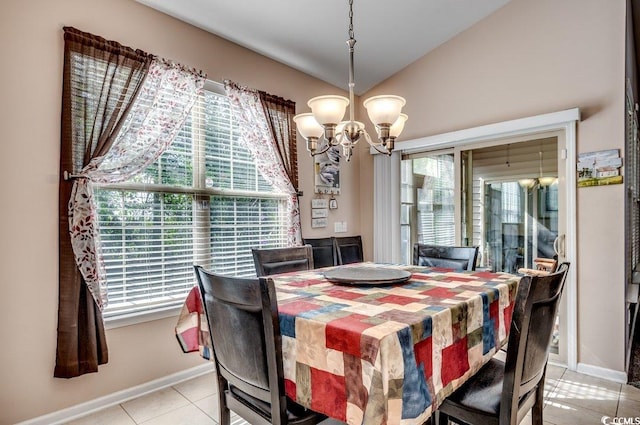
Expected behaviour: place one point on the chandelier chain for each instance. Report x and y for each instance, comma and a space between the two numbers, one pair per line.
324, 127
351, 34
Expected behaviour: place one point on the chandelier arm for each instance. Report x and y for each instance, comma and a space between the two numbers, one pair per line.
375, 145
337, 140
328, 111
323, 150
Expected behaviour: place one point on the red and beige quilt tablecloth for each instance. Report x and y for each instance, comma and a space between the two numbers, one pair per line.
380, 354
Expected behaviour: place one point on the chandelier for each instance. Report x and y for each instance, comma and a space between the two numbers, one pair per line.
327, 112
541, 181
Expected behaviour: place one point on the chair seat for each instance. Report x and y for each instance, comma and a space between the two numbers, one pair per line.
482, 391
296, 414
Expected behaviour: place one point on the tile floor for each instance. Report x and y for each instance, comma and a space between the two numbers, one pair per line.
571, 399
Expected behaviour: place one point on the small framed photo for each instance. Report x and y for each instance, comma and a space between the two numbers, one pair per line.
333, 203
319, 203
319, 213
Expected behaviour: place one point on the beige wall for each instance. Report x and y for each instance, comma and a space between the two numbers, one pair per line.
529, 58
31, 41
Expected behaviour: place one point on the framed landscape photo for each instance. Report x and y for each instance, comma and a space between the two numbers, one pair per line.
599, 168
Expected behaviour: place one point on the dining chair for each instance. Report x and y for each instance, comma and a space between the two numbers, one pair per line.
502, 393
324, 251
242, 315
453, 257
270, 261
542, 266
349, 249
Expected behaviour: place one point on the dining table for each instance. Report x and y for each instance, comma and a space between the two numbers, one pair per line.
378, 351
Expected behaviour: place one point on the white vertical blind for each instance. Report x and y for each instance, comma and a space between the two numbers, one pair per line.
386, 212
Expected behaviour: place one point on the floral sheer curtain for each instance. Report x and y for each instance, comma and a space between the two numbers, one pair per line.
121, 109
161, 107
261, 139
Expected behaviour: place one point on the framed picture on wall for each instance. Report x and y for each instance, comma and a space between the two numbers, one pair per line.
318, 222
319, 213
327, 171
319, 203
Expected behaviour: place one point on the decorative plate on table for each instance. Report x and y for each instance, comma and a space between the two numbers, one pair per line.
354, 275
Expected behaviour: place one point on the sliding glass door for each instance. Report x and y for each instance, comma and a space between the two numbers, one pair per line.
503, 196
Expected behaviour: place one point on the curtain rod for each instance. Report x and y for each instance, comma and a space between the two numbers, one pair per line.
68, 176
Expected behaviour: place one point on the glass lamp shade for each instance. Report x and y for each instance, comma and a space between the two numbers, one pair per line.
527, 183
398, 126
328, 109
308, 126
384, 109
547, 181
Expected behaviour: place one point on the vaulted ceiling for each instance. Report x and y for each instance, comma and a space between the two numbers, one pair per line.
311, 35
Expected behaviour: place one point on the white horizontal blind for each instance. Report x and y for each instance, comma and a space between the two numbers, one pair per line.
203, 202
436, 221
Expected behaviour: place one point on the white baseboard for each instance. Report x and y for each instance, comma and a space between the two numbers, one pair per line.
91, 406
601, 372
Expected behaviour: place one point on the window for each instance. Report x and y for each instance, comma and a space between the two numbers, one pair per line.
427, 202
203, 202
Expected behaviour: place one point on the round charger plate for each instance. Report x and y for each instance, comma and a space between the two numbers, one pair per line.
355, 275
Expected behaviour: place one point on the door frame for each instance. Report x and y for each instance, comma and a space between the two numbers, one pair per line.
386, 220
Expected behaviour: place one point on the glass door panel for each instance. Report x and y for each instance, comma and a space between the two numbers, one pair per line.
514, 207
503, 196
520, 224
427, 202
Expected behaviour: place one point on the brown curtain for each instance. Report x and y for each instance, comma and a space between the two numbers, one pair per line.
280, 114
100, 81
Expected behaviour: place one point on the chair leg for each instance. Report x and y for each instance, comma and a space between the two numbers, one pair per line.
538, 405
224, 417
224, 414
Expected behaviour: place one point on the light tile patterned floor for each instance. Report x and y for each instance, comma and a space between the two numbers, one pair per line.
571, 399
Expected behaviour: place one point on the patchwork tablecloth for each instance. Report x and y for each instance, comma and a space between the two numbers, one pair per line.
387, 354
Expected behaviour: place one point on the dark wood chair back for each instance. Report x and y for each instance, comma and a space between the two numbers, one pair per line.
324, 252
245, 333
543, 266
531, 329
281, 260
451, 257
502, 393
349, 249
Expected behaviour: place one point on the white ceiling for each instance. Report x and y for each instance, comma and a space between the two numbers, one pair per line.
311, 35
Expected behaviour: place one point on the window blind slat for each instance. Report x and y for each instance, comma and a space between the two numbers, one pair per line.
151, 239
